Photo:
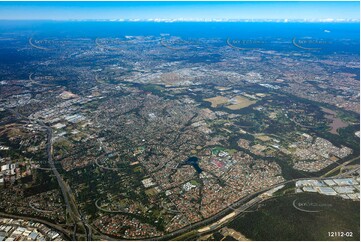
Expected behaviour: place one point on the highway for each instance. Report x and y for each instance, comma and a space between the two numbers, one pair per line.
239, 206
340, 166
69, 198
66, 191
57, 227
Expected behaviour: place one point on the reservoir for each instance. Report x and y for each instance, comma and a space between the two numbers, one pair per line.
194, 162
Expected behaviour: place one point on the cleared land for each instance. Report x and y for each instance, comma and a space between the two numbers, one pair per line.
240, 102
216, 101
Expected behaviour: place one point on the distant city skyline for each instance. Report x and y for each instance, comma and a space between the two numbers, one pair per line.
323, 11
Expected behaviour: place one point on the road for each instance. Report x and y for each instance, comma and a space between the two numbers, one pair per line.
340, 166
65, 189
239, 206
49, 224
232, 207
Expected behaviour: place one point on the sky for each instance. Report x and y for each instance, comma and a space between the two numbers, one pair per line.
179, 10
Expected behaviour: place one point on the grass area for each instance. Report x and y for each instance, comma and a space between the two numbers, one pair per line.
263, 137
62, 146
138, 169
231, 151
14, 132
124, 203
151, 192
216, 150
194, 182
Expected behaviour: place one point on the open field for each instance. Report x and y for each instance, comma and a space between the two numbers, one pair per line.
216, 101
240, 102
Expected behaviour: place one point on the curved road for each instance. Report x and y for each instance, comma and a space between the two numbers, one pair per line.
66, 191
241, 205
67, 194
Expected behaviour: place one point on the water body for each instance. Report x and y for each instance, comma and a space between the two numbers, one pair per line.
194, 162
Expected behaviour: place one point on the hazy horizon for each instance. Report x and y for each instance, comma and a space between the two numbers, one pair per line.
326, 11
